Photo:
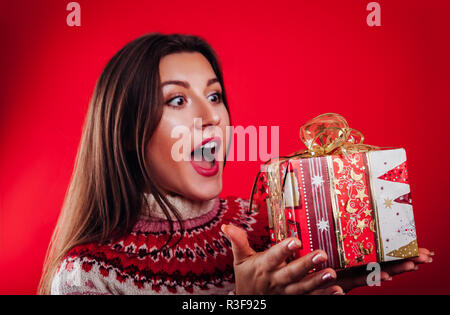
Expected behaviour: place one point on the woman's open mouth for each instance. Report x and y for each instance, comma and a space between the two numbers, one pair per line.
204, 157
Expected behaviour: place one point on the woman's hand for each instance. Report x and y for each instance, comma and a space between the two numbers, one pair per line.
268, 273
357, 277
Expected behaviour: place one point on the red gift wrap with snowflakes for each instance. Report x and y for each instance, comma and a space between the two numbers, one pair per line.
356, 207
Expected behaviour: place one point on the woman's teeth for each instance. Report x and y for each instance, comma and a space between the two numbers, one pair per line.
205, 152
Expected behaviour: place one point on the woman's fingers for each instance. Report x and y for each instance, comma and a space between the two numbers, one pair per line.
332, 290
297, 269
239, 242
314, 281
277, 254
396, 268
350, 279
425, 256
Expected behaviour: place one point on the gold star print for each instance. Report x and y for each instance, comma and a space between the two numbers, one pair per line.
368, 212
361, 194
387, 203
361, 225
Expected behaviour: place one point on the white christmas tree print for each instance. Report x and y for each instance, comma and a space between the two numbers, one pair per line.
322, 225
317, 180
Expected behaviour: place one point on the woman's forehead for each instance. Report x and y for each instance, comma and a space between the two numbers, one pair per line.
185, 66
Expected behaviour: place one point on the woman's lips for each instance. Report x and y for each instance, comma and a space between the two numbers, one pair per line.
206, 171
215, 139
199, 166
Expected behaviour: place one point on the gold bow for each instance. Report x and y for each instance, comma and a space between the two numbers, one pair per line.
326, 134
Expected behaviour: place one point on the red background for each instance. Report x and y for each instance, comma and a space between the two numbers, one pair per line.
284, 62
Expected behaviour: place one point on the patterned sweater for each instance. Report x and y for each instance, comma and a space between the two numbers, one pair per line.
201, 263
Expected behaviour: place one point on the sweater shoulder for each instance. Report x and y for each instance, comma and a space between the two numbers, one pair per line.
74, 277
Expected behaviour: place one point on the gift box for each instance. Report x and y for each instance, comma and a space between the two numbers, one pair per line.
347, 198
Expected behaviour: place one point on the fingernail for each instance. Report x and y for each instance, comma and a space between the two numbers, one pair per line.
294, 244
429, 260
327, 276
338, 293
318, 258
389, 279
416, 267
432, 254
222, 227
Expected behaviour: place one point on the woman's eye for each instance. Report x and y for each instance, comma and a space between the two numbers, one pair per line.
215, 98
176, 101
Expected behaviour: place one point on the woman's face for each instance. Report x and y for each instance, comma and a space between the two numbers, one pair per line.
193, 114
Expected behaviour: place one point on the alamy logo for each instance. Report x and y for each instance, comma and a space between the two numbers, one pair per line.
374, 277
374, 17
74, 17
234, 141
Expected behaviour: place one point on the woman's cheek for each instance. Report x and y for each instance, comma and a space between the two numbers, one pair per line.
174, 138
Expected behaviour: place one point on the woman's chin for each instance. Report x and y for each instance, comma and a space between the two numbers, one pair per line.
204, 190
202, 187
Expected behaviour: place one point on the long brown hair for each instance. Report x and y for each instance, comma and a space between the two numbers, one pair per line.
106, 191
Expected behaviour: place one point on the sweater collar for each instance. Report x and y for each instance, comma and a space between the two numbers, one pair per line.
188, 209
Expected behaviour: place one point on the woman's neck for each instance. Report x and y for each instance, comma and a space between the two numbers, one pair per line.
187, 208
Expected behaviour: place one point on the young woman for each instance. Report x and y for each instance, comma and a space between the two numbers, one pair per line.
136, 220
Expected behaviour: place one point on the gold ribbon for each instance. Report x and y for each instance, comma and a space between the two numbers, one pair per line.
326, 134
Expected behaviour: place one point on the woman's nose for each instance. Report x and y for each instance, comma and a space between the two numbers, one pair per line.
208, 114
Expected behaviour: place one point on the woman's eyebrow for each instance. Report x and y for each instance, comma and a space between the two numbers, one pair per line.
176, 82
186, 84
211, 81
